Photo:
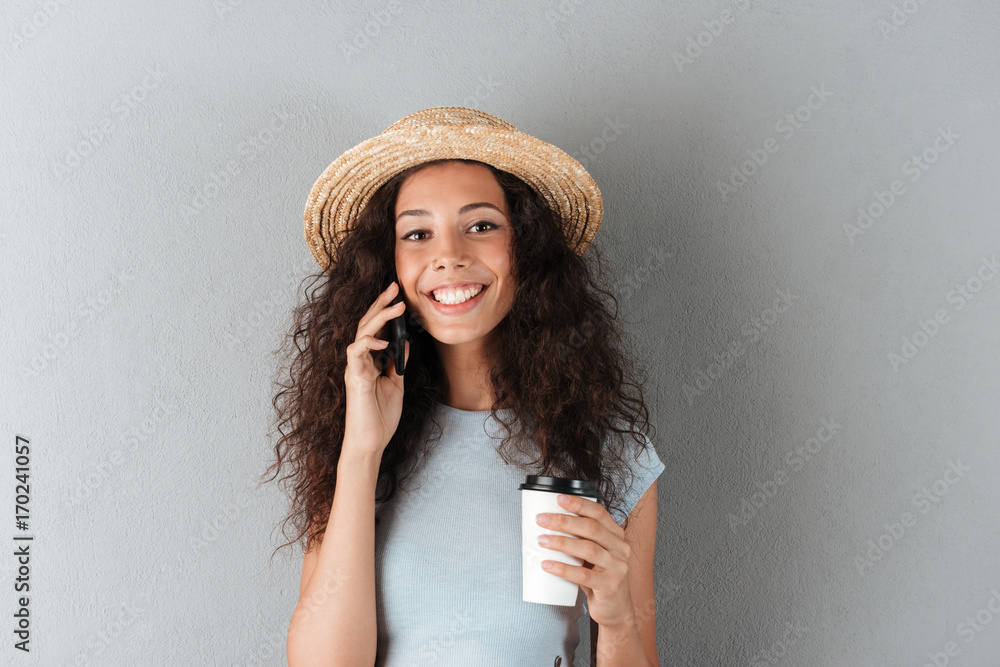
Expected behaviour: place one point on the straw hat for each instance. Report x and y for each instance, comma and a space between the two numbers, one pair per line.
346, 186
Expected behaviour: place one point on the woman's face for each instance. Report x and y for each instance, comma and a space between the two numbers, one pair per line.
453, 228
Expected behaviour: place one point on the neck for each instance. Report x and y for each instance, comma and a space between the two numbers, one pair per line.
466, 371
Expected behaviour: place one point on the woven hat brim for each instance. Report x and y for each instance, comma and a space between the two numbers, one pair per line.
344, 188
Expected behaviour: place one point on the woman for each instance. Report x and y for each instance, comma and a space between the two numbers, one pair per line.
480, 229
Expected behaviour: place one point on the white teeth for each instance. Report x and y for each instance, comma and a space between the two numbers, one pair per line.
453, 297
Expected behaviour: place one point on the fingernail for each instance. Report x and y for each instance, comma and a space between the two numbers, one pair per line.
542, 519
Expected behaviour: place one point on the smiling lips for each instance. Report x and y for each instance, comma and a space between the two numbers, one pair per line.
455, 296
474, 294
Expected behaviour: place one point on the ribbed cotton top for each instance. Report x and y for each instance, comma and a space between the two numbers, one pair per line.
448, 558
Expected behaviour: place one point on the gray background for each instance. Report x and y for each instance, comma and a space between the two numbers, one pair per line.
156, 162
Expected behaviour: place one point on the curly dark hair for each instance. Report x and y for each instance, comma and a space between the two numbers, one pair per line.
565, 373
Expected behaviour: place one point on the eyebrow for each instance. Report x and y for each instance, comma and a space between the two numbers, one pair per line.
462, 211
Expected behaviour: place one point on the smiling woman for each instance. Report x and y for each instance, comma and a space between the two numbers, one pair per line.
481, 230
454, 242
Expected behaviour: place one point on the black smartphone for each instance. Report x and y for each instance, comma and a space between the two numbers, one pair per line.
396, 349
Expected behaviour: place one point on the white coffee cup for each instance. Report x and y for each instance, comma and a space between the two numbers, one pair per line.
538, 495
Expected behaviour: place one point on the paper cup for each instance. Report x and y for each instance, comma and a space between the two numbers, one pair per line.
538, 495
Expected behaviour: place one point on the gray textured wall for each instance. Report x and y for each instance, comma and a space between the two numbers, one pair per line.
820, 331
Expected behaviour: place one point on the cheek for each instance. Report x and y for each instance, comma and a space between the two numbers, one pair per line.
501, 269
507, 293
406, 270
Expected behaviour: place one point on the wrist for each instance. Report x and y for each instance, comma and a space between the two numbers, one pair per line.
357, 456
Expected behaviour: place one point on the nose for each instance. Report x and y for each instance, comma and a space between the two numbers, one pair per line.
450, 251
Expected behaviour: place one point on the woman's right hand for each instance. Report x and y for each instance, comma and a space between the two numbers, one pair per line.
374, 401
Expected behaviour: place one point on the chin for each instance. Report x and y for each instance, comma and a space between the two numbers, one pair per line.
452, 336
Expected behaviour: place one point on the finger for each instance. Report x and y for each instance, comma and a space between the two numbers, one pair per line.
379, 305
360, 348
384, 298
586, 550
593, 529
575, 573
592, 510
376, 324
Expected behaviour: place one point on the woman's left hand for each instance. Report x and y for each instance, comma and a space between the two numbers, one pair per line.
600, 544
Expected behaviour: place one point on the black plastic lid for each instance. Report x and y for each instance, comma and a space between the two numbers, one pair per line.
565, 485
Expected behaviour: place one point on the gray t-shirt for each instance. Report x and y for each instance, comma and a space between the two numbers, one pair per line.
448, 558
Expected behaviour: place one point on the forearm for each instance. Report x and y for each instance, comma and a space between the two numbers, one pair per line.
620, 646
334, 620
